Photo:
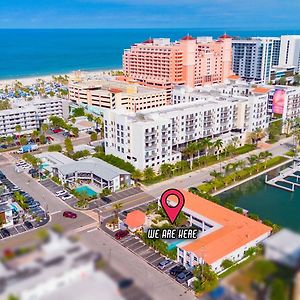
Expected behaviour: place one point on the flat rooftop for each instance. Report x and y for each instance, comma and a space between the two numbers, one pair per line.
234, 232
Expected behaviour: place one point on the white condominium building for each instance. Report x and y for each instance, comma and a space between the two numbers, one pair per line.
290, 51
30, 114
112, 94
156, 136
253, 58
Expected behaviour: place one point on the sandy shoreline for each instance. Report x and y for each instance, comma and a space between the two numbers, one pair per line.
32, 79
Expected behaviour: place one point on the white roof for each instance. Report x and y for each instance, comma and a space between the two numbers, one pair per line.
286, 240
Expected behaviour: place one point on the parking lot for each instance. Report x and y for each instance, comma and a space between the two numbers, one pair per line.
20, 227
53, 187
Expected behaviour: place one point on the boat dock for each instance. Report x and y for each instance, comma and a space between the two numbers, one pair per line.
288, 179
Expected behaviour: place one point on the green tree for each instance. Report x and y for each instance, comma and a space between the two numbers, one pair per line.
207, 144
9, 140
75, 131
44, 127
23, 140
137, 175
278, 290
42, 139
189, 151
218, 144
149, 173
18, 129
78, 112
166, 170
226, 263
34, 135
207, 280
94, 137
55, 148
69, 145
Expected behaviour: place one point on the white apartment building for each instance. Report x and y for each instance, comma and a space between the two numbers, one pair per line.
284, 101
290, 51
112, 94
30, 114
156, 136
253, 58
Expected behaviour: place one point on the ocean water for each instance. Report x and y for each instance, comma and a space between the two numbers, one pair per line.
31, 52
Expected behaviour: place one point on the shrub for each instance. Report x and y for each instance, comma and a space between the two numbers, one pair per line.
55, 148
227, 263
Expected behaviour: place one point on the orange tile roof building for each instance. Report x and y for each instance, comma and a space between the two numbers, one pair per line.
225, 234
135, 220
191, 61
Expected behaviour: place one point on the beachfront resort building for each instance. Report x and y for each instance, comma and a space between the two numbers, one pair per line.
95, 172
112, 94
156, 136
224, 234
253, 58
190, 61
30, 114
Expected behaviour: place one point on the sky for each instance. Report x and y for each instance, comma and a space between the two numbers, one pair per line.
237, 14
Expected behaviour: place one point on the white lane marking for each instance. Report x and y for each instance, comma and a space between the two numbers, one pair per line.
91, 230
54, 213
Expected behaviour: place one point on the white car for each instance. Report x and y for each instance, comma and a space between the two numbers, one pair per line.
66, 197
26, 167
60, 193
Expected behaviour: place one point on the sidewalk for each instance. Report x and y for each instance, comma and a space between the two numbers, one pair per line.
197, 177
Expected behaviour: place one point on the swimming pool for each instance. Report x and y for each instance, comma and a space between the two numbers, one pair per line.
173, 244
87, 190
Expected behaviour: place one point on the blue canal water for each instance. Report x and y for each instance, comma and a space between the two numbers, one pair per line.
32, 52
277, 205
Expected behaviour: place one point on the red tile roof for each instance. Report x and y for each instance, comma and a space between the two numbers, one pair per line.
261, 90
187, 38
135, 219
225, 36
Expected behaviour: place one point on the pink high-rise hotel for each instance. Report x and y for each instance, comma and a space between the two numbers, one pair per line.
191, 61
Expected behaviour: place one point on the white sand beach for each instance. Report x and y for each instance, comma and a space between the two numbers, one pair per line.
31, 80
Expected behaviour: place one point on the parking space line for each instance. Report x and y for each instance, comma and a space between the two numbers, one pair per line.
54, 213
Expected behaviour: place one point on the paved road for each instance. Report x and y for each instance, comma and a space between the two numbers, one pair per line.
157, 285
197, 177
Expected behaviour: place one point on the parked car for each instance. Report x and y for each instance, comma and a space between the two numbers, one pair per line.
60, 192
66, 197
121, 234
28, 225
70, 214
184, 276
50, 138
57, 130
2, 176
125, 283
33, 204
4, 232
163, 264
177, 270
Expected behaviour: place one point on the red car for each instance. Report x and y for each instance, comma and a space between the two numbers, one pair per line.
57, 130
50, 138
121, 234
70, 214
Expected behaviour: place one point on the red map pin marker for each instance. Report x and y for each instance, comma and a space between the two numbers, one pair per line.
172, 211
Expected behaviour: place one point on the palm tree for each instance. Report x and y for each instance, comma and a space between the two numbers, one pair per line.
117, 208
218, 144
9, 140
18, 129
207, 143
189, 151
44, 127
149, 173
34, 135
136, 175
166, 169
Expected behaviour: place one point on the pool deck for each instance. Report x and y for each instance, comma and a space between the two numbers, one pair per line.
281, 178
